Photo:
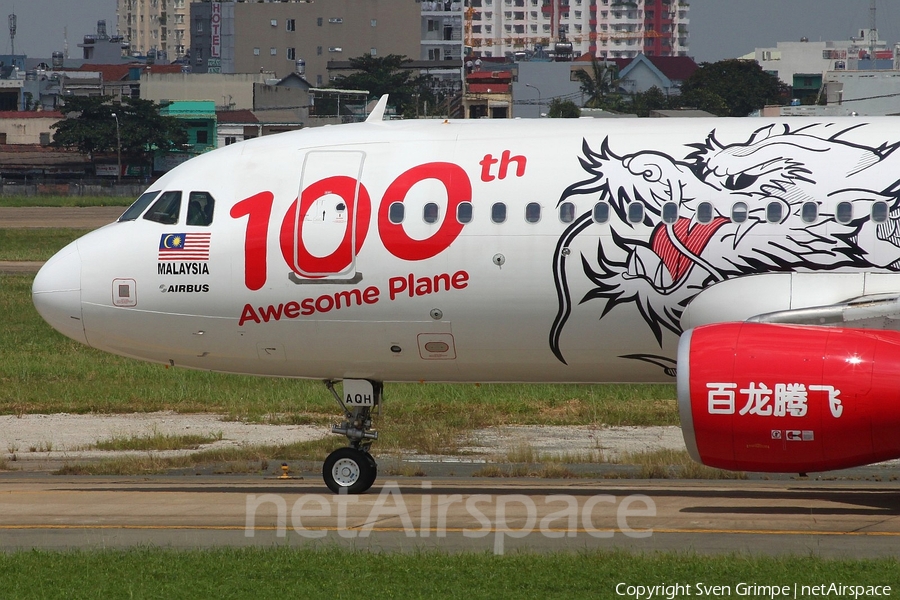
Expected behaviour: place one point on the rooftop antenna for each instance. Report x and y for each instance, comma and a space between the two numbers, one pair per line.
12, 32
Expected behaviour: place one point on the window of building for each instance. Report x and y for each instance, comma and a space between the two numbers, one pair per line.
373, 22
165, 210
319, 21
433, 25
566, 212
601, 212
202, 136
256, 52
498, 212
396, 212
230, 139
292, 54
273, 51
274, 22
290, 24
200, 209
464, 212
319, 50
532, 212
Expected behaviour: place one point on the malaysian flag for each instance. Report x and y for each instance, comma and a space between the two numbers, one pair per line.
184, 246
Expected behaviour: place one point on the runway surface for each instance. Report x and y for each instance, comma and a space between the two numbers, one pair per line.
858, 519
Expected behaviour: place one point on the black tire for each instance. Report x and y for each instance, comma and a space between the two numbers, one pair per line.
350, 470
374, 465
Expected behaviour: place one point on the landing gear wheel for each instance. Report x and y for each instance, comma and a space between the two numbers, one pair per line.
349, 469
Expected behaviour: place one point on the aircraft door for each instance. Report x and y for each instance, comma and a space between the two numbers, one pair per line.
331, 216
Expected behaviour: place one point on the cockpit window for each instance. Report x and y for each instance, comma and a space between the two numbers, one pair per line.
134, 211
166, 209
200, 209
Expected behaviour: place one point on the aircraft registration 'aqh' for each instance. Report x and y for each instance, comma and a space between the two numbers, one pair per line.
756, 262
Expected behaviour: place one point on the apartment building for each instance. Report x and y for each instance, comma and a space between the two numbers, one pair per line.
159, 27
276, 37
605, 28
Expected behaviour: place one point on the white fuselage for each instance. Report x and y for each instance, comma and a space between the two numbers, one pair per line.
554, 293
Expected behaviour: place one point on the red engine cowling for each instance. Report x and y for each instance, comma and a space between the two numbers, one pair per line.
783, 398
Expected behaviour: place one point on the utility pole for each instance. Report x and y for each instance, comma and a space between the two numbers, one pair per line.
118, 150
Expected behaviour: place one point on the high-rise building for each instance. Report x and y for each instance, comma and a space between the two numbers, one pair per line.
293, 36
605, 28
160, 27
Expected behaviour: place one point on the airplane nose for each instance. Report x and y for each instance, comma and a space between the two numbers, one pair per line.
56, 293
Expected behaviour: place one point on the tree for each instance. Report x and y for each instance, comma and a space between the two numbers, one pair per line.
600, 85
642, 103
90, 128
563, 109
732, 87
381, 75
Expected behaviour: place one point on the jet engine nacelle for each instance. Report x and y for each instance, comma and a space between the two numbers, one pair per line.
782, 398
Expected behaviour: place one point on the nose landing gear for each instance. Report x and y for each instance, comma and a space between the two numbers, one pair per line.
352, 468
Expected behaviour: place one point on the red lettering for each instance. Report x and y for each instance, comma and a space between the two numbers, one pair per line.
505, 159
348, 297
370, 295
271, 312
394, 237
423, 286
292, 310
396, 285
486, 163
324, 304
292, 245
442, 278
460, 280
259, 210
308, 307
248, 314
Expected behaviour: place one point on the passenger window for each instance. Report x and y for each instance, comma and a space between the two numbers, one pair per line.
134, 211
739, 212
166, 209
774, 211
601, 212
464, 212
670, 212
566, 212
395, 212
809, 212
704, 212
880, 211
635, 212
844, 213
200, 209
430, 213
532, 212
498, 212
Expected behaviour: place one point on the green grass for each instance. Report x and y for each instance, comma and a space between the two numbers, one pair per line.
332, 573
157, 441
69, 201
35, 244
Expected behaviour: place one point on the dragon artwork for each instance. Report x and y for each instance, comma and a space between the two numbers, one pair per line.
660, 274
